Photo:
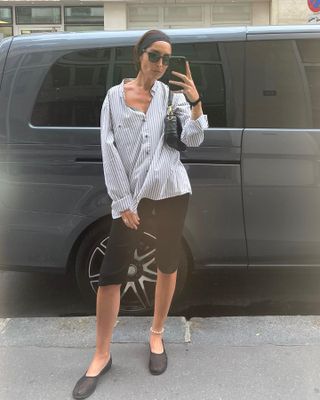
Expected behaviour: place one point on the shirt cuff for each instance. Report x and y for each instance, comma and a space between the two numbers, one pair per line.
122, 204
201, 121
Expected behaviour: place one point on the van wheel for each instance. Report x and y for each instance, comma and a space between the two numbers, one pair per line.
137, 293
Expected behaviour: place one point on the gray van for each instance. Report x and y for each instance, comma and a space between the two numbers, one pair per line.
256, 194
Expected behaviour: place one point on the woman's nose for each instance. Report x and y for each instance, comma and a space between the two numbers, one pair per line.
160, 62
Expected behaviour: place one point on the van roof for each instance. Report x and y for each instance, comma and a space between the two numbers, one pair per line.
179, 35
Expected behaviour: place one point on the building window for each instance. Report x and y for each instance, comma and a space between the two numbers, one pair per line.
144, 14
38, 15
183, 14
6, 22
83, 28
173, 16
229, 14
6, 15
80, 18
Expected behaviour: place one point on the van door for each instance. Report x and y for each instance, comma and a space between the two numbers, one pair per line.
281, 150
215, 213
52, 182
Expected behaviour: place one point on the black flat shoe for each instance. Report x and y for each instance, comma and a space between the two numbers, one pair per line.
158, 362
86, 385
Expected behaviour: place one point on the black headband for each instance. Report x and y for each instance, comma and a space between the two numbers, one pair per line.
153, 37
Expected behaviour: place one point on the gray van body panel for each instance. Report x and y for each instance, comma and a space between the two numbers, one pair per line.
281, 196
4, 49
52, 184
280, 177
282, 29
282, 32
60, 42
58, 171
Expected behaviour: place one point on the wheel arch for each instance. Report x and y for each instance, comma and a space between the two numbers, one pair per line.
70, 266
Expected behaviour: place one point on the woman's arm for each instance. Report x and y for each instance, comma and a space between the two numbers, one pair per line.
115, 176
196, 111
193, 121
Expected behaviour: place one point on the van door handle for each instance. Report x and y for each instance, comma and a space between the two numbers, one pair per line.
88, 159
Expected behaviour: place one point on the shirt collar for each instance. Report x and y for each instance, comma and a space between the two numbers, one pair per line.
152, 90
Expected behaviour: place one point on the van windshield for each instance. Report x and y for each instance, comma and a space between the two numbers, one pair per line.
4, 47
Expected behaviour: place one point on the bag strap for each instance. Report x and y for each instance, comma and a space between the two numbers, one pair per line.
169, 107
170, 97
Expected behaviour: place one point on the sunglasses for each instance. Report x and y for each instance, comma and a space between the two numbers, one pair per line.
155, 57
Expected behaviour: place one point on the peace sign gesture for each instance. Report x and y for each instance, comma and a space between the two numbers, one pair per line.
188, 86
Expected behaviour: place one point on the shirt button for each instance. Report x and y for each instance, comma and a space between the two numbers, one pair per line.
146, 135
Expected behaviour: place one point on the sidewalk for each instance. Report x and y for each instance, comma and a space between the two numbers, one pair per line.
223, 358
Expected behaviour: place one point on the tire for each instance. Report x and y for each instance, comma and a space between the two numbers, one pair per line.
137, 294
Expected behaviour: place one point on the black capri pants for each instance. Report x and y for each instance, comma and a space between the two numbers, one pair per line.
168, 215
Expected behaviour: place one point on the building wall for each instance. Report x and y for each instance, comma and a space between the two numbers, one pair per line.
115, 16
289, 12
188, 13
146, 14
261, 13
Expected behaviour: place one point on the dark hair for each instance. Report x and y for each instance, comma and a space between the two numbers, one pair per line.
137, 50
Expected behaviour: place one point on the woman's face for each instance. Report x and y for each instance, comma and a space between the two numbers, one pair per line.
155, 70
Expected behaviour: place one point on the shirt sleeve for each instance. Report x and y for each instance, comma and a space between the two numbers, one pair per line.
115, 176
192, 134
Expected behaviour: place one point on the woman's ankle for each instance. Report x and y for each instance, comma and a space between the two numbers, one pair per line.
101, 356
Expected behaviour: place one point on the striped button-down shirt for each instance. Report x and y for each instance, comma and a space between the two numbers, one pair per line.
137, 162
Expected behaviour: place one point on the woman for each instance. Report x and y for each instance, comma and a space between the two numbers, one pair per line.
143, 175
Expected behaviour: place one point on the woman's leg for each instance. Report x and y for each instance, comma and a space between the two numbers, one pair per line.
170, 216
164, 291
114, 269
107, 309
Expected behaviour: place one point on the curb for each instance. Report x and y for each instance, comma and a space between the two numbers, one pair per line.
223, 331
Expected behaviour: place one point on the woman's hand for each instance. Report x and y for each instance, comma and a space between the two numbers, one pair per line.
130, 219
188, 86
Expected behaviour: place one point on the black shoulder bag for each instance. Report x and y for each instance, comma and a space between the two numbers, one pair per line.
173, 128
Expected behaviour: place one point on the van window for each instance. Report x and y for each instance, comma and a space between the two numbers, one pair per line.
283, 84
123, 67
217, 71
73, 90
309, 51
207, 74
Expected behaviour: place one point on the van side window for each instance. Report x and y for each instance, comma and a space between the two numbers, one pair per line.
217, 71
282, 84
309, 50
73, 90
123, 65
